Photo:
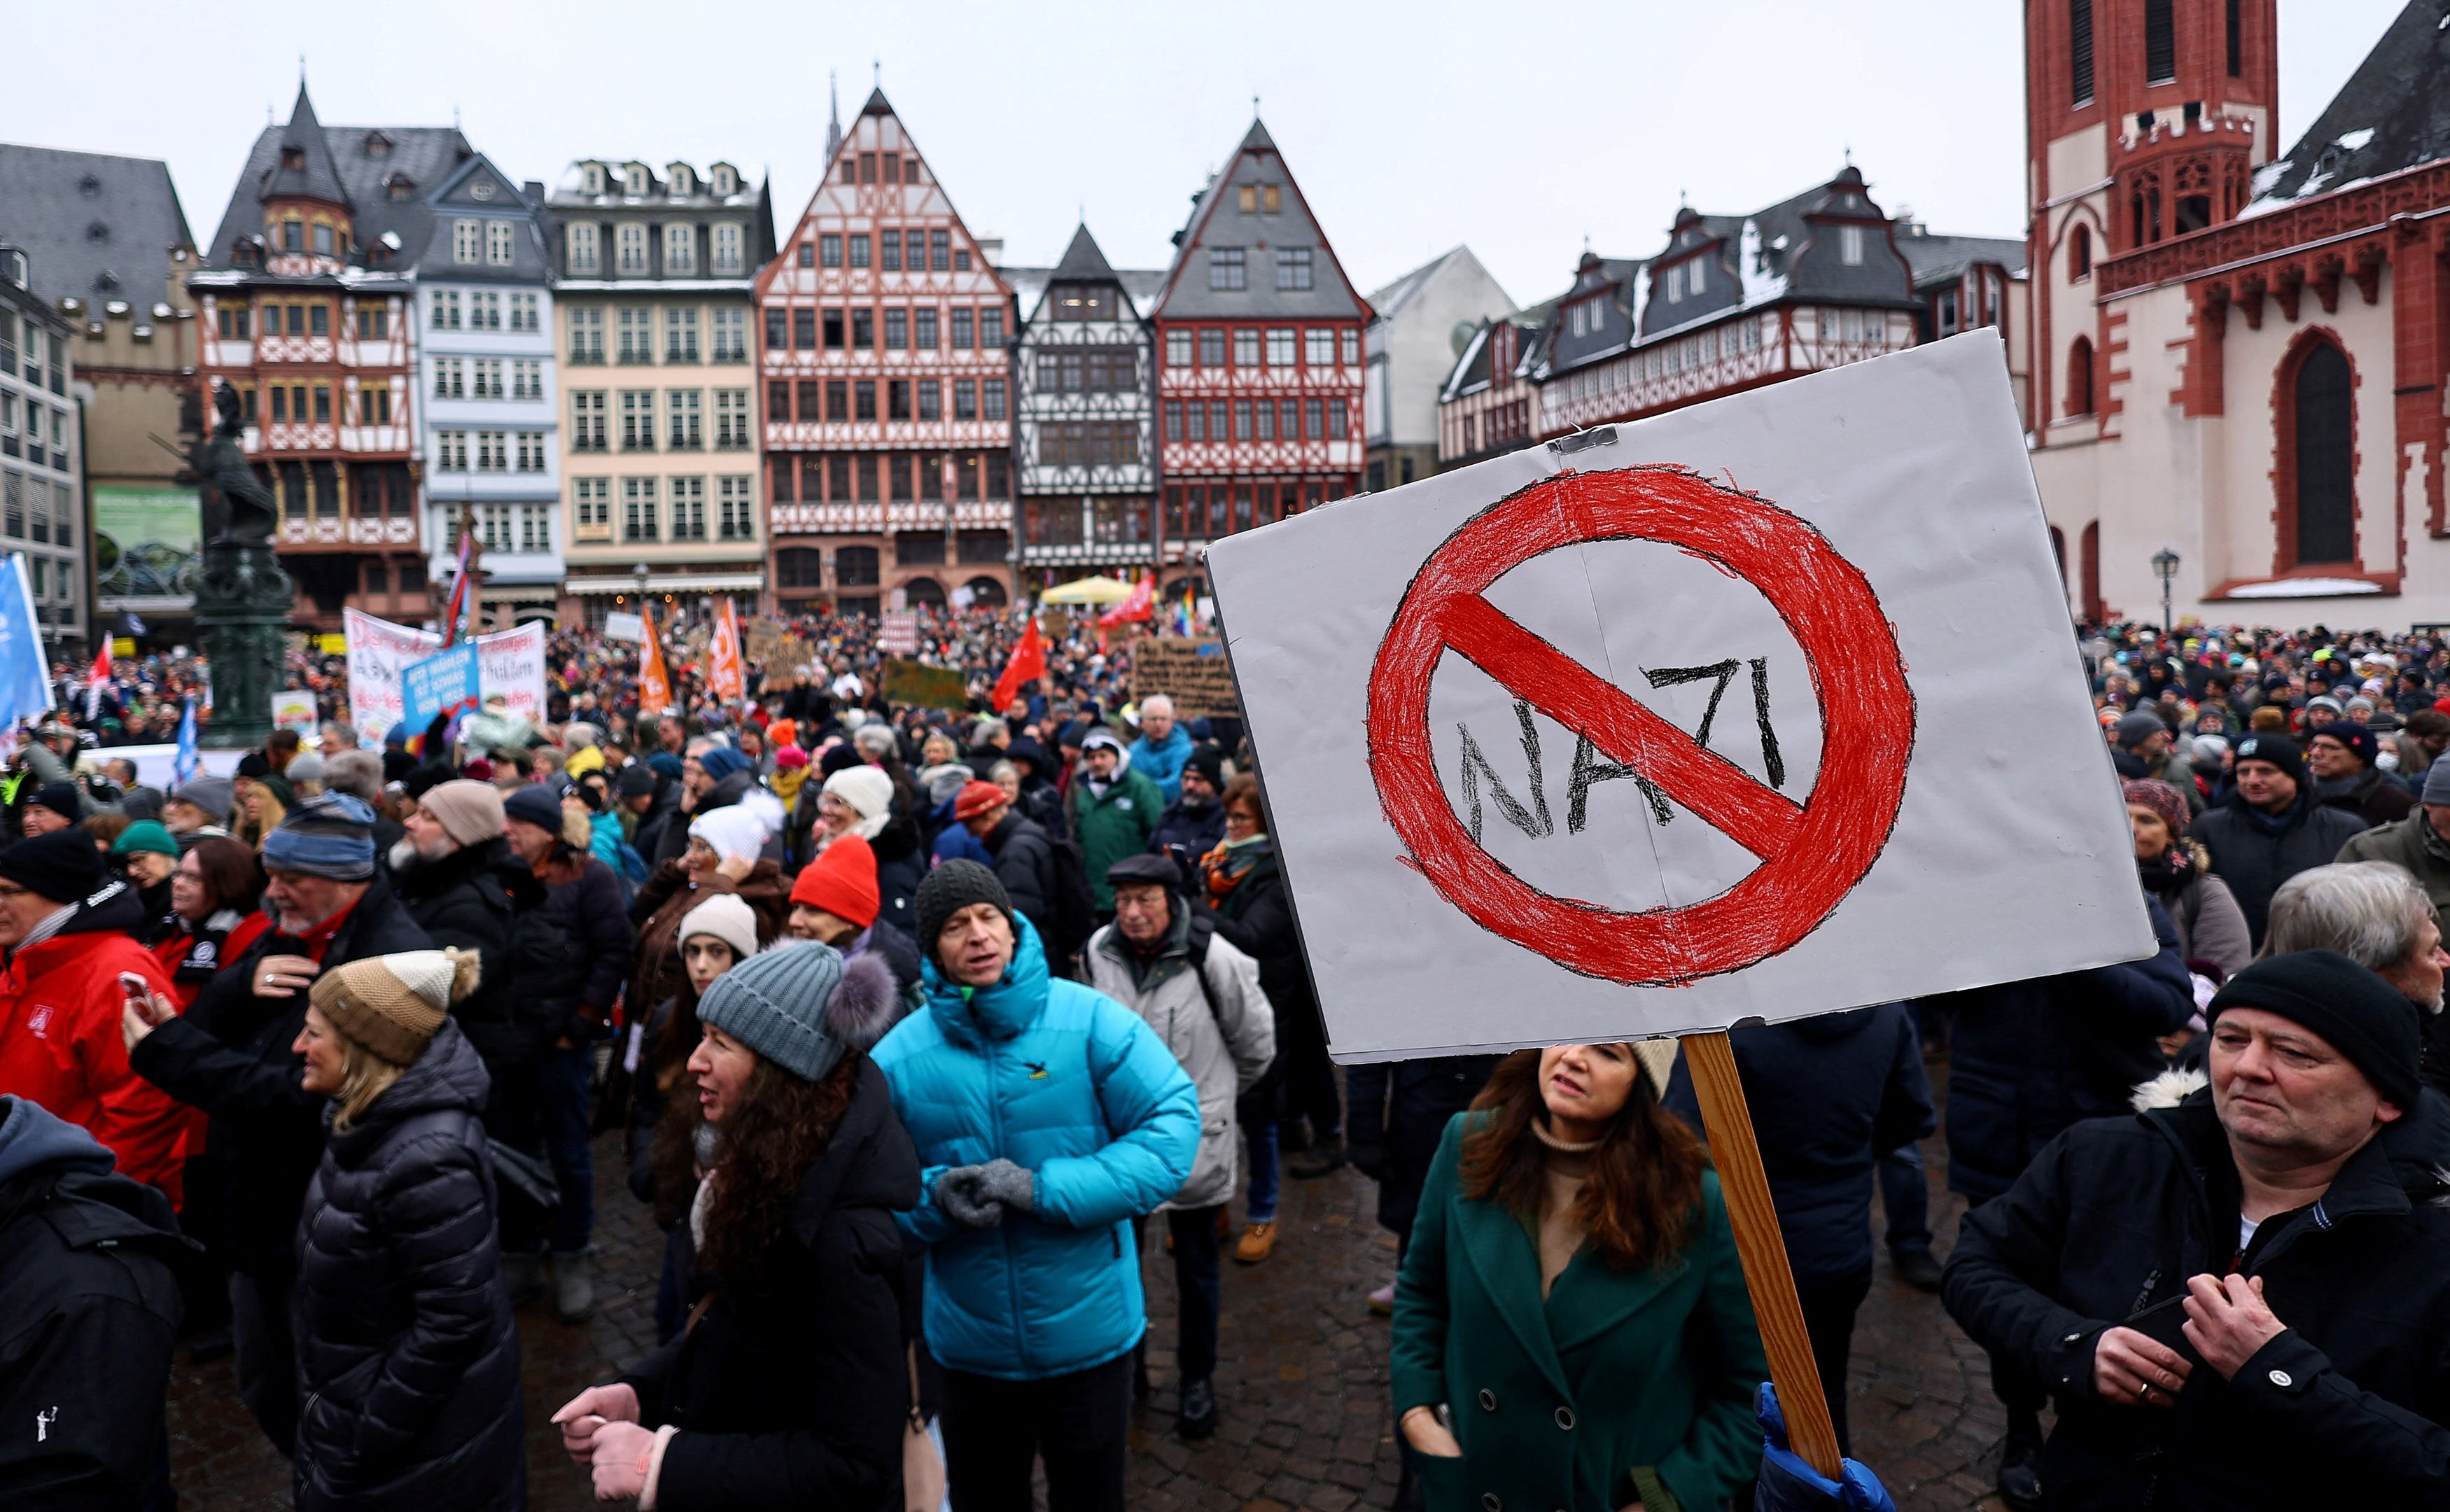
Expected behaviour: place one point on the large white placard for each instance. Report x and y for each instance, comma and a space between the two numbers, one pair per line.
1768, 706
510, 668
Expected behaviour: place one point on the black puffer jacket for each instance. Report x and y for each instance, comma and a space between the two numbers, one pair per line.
2347, 1408
407, 1353
229, 1054
1258, 920
2254, 860
473, 900
793, 1392
568, 959
1024, 863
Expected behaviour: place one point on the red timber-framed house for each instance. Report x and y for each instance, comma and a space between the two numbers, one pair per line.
1736, 302
306, 297
2240, 354
1259, 379
1488, 402
881, 346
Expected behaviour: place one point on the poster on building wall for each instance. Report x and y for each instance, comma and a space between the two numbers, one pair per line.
147, 544
1679, 722
511, 668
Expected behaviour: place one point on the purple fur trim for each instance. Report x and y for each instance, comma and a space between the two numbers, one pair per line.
867, 1003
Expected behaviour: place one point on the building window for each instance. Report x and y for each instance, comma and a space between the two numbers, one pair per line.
731, 336
1225, 268
2236, 42
680, 248
319, 319
637, 328
485, 310
830, 251
2080, 51
888, 251
687, 423
1246, 347
992, 397
450, 378
799, 566
726, 247
1212, 348
500, 246
629, 248
587, 419
940, 244
1320, 341
863, 329
922, 329
493, 452
804, 330
536, 528
966, 399
374, 406
990, 328
2079, 377
1339, 422
591, 501
897, 330
638, 508
322, 405
1173, 420
863, 391
859, 249
2323, 435
374, 322
637, 419
467, 240
525, 313
689, 509
528, 452
1292, 268
1849, 251
2080, 254
732, 418
931, 400
2160, 42
1349, 340
962, 330
527, 378
488, 374
586, 335
450, 450
837, 401
680, 334
1281, 346
1178, 348
581, 253
897, 399
856, 566
444, 309
735, 497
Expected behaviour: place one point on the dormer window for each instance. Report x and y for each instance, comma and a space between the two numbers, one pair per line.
1850, 245
727, 182
399, 187
595, 178
634, 181
377, 144
293, 160
680, 181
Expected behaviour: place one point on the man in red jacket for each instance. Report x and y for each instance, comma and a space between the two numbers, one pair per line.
64, 928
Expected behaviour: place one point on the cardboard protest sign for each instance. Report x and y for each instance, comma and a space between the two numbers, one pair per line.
1765, 706
924, 687
898, 632
1192, 673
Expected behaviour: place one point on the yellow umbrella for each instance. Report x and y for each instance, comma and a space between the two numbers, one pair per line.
1088, 591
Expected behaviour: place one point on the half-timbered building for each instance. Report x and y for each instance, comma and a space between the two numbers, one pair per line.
1259, 381
1486, 404
2239, 353
1085, 379
881, 339
308, 299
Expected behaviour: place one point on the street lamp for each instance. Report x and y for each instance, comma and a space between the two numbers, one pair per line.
638, 574
2164, 562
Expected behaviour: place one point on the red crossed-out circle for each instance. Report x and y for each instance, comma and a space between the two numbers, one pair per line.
1812, 853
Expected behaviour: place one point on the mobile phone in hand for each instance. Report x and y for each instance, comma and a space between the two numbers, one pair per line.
2165, 1323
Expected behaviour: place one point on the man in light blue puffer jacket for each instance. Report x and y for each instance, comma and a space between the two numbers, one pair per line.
1047, 1116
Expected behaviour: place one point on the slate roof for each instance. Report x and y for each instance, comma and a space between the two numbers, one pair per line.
1217, 220
93, 226
1944, 259
425, 155
1472, 369
2393, 113
1084, 261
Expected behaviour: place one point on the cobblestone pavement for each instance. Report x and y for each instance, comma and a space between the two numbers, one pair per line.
1302, 1382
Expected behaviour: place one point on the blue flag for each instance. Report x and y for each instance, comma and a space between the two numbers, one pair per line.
24, 677
183, 764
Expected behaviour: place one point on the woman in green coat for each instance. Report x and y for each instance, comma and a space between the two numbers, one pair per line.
1572, 1332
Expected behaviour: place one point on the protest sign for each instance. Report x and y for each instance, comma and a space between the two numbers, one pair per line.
1681, 721
924, 687
294, 708
898, 632
621, 626
1192, 673
443, 684
511, 668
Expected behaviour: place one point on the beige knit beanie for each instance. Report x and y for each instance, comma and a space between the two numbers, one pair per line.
469, 812
393, 1004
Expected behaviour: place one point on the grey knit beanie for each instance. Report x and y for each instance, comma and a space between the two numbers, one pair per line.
2437, 780
774, 1003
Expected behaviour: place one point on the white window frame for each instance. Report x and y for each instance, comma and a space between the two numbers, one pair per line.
527, 451
450, 378
688, 508
1850, 245
585, 250
536, 528
629, 248
488, 378
737, 508
639, 515
468, 242
730, 326
588, 420
727, 244
680, 333
451, 451
680, 248
525, 310
586, 333
686, 409
590, 503
1318, 342
527, 378
1281, 346
493, 452
443, 310
502, 243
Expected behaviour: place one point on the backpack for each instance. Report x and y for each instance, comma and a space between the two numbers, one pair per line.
1072, 912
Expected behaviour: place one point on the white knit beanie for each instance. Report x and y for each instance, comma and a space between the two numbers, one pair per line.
727, 919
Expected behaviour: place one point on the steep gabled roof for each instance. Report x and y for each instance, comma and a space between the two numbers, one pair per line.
362, 161
1217, 220
1083, 262
93, 226
303, 167
2393, 113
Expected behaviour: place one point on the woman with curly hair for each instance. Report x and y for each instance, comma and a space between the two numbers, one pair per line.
1571, 1325
790, 1385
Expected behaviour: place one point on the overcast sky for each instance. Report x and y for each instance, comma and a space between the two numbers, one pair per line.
1520, 128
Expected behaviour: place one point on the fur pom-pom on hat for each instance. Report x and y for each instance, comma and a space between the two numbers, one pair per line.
867, 1003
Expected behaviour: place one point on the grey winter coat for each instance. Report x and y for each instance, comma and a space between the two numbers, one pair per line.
1224, 1051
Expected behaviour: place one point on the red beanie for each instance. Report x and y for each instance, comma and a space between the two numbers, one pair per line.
976, 797
842, 881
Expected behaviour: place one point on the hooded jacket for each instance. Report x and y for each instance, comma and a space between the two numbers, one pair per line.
1115, 824
89, 1310
791, 1391
1161, 762
1070, 1085
473, 898
60, 1042
2347, 1408
1224, 1037
408, 1357
1023, 859
229, 1055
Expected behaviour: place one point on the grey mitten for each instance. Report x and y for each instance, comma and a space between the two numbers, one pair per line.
1016, 1186
958, 1192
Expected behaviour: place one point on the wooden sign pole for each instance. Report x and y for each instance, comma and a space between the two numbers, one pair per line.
1750, 1213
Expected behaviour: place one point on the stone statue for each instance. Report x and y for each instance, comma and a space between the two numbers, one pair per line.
243, 595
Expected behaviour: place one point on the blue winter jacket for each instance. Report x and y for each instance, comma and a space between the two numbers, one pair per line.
1073, 1085
1162, 762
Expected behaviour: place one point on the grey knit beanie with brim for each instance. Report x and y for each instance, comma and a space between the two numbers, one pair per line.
801, 1007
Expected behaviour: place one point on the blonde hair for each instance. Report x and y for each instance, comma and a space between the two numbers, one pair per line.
364, 1076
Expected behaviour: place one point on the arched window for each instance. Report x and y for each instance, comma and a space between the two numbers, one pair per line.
985, 592
2058, 553
924, 591
2324, 433
2079, 377
2080, 254
2089, 573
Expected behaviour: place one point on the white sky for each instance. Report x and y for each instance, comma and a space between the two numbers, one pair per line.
1519, 128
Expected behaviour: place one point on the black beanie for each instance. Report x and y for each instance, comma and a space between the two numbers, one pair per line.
64, 866
2365, 1017
61, 799
951, 887
2358, 740
1208, 762
2279, 751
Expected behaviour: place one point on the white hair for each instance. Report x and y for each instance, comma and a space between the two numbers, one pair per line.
1156, 704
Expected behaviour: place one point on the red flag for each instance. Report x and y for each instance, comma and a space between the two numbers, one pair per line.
655, 682
1140, 606
1028, 664
724, 673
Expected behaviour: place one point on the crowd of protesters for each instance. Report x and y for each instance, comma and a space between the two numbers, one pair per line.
917, 1028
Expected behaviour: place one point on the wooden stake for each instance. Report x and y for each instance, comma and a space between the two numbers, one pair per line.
1736, 1154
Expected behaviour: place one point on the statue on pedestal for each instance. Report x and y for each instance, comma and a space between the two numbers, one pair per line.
243, 595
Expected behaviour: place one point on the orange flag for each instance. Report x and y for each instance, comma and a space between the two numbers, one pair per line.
725, 673
655, 682
1028, 664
